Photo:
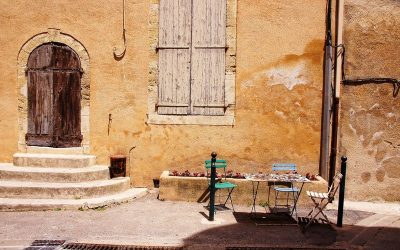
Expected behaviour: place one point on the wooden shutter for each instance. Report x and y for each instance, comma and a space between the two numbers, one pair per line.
174, 57
208, 57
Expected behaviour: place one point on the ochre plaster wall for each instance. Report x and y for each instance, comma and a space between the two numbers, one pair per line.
278, 85
370, 114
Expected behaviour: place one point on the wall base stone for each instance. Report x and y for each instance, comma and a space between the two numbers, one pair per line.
194, 189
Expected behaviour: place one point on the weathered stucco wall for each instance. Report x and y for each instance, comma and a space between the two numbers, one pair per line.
278, 85
370, 114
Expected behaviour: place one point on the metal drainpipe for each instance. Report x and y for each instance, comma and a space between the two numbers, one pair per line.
338, 80
327, 95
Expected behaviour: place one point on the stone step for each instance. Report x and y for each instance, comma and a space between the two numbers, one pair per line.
15, 204
39, 174
47, 190
53, 160
50, 150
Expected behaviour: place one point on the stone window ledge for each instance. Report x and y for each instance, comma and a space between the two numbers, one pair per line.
226, 120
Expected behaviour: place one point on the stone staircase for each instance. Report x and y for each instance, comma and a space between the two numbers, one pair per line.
37, 181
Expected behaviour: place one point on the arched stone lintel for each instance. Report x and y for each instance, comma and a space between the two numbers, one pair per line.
52, 35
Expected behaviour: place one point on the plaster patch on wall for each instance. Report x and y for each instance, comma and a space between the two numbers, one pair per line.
352, 129
280, 114
391, 167
390, 115
375, 106
377, 136
24, 90
247, 84
289, 76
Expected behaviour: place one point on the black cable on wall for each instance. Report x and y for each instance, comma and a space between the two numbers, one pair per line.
373, 80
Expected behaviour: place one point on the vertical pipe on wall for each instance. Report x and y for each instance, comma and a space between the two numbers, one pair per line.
327, 95
339, 41
338, 79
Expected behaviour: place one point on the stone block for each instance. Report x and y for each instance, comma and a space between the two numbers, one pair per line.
33, 43
54, 160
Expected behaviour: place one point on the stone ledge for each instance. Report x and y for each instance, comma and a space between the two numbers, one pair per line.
194, 189
226, 120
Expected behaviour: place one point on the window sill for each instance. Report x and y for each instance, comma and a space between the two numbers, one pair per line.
226, 120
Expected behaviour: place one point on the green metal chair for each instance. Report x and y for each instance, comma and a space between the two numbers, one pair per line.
221, 184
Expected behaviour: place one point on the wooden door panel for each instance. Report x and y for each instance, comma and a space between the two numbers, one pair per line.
40, 122
67, 97
64, 57
54, 96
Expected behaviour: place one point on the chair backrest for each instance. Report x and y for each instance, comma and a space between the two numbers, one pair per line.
284, 167
219, 163
334, 186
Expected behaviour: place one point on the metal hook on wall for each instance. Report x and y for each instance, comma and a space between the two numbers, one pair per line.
118, 53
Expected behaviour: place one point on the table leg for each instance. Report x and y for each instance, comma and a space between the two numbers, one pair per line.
295, 201
255, 191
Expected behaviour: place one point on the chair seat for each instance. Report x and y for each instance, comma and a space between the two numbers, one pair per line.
220, 185
286, 189
317, 195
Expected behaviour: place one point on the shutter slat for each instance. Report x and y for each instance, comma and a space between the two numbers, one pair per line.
208, 57
174, 57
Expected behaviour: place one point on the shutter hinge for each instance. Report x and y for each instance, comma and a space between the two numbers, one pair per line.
171, 47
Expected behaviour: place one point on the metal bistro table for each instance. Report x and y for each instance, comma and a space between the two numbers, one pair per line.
275, 179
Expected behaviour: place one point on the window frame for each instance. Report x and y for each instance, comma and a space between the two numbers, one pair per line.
230, 75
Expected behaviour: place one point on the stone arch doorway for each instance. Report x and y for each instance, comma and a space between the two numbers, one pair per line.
76, 75
54, 96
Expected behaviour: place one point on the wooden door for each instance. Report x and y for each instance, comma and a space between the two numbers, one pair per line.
54, 96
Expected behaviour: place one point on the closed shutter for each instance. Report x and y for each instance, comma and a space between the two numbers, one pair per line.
208, 57
174, 57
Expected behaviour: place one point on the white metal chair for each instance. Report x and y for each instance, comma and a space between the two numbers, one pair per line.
321, 200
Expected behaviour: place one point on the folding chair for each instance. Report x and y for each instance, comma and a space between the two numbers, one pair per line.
321, 200
221, 164
283, 187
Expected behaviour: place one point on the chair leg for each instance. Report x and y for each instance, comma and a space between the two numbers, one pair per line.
316, 204
287, 199
320, 211
229, 197
294, 203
